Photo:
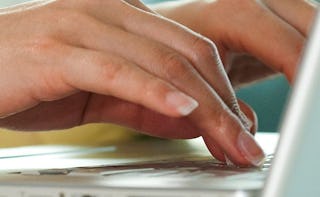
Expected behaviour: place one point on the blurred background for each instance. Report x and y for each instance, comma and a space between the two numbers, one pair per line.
267, 97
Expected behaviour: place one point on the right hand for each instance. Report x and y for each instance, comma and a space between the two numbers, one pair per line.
70, 62
262, 38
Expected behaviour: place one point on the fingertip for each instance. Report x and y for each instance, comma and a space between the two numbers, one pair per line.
235, 142
250, 149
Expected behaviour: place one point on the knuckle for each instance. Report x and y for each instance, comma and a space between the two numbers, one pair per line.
204, 49
155, 88
109, 70
175, 66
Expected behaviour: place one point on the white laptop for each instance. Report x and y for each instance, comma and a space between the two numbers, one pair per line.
162, 168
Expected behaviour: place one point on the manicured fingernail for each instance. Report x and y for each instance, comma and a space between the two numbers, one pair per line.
184, 104
250, 149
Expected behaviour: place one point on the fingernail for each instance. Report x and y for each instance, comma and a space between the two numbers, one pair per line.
250, 149
183, 103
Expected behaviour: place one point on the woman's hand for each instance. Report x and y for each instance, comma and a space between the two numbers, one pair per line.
248, 32
65, 63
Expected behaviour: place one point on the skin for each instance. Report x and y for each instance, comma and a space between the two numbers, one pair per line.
263, 37
114, 61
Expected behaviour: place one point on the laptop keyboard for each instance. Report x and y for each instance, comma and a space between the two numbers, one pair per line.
175, 168
189, 173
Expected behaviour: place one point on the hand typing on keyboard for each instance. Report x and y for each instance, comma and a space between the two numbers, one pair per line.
118, 61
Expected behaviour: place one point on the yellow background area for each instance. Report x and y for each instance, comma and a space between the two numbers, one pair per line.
90, 135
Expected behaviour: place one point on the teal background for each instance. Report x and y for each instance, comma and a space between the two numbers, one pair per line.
267, 98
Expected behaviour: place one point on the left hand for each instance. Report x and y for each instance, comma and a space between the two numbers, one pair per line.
249, 34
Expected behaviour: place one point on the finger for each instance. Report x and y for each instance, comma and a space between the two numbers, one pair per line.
215, 150
58, 114
213, 117
273, 41
206, 61
251, 115
298, 13
178, 70
111, 75
237, 144
110, 109
201, 52
96, 109
101, 109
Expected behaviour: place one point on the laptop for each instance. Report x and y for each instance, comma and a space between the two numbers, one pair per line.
161, 168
